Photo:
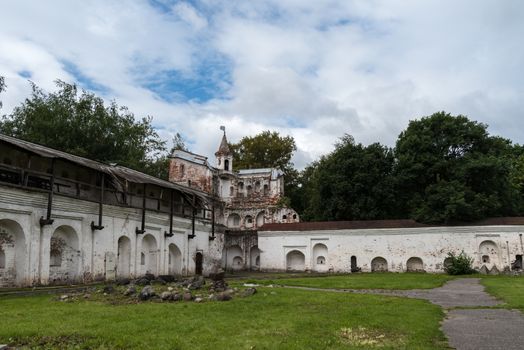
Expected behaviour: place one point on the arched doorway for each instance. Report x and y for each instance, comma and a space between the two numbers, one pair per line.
174, 260
295, 261
415, 264
379, 264
148, 256
13, 254
123, 267
64, 259
199, 261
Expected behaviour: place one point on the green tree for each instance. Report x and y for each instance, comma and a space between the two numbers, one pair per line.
352, 183
265, 150
450, 169
80, 123
178, 143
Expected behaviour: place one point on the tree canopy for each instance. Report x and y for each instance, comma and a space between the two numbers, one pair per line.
352, 183
265, 150
443, 169
80, 123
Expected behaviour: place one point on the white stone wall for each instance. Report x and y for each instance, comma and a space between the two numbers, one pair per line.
500, 244
20, 210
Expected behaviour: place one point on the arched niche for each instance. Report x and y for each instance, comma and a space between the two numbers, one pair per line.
295, 261
13, 254
233, 220
255, 258
235, 258
123, 267
379, 264
489, 253
415, 264
320, 254
150, 251
174, 260
260, 219
64, 256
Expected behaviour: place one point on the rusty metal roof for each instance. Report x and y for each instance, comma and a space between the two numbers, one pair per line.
112, 170
382, 224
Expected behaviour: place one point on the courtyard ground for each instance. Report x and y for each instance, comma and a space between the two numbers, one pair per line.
273, 318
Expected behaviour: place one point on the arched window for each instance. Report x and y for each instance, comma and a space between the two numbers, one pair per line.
182, 170
249, 189
284, 217
231, 191
257, 186
142, 259
266, 189
226, 165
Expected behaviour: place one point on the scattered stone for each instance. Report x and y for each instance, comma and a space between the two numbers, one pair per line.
108, 289
188, 296
87, 296
198, 300
149, 276
250, 285
170, 289
130, 290
147, 293
142, 282
176, 297
64, 297
158, 281
3, 347
168, 278
123, 281
248, 292
166, 296
223, 297
197, 284
219, 276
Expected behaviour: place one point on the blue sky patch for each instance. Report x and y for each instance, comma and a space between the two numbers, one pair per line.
83, 80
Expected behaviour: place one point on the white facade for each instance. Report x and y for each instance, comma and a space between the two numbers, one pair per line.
395, 250
84, 254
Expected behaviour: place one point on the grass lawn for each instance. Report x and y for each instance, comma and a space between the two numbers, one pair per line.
365, 281
510, 289
273, 318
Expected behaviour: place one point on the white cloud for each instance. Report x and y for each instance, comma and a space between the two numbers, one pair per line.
314, 70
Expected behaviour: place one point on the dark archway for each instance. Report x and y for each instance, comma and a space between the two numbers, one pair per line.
199, 260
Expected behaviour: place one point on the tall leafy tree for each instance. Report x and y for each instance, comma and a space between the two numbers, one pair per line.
450, 169
81, 123
352, 183
265, 150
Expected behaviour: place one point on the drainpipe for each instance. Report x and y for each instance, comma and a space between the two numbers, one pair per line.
143, 227
100, 207
521, 246
48, 220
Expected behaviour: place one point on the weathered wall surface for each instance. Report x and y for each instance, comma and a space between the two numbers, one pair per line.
394, 249
115, 251
190, 174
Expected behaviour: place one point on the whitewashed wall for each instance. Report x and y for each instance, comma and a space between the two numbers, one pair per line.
396, 246
20, 210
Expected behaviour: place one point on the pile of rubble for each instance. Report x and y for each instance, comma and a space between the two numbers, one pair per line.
165, 289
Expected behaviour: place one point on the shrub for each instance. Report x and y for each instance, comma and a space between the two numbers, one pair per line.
459, 264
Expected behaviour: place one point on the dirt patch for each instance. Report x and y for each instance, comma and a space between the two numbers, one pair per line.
369, 338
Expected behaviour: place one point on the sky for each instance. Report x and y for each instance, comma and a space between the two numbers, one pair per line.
315, 70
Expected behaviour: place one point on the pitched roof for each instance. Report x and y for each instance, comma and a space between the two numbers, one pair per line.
382, 224
223, 149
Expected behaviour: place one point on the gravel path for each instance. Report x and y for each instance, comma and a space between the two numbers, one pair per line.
479, 329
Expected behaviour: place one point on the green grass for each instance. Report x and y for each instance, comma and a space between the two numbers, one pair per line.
271, 319
510, 289
365, 281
